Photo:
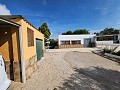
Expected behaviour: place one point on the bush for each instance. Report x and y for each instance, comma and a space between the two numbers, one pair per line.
92, 44
116, 53
110, 51
107, 50
53, 43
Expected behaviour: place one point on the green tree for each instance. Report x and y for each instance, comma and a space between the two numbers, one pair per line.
67, 33
78, 31
53, 43
45, 30
81, 31
108, 31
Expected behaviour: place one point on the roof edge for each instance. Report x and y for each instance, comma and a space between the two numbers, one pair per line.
10, 22
17, 16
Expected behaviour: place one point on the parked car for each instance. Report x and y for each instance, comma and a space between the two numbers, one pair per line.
4, 81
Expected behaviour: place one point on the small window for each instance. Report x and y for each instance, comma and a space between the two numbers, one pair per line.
76, 42
65, 42
30, 34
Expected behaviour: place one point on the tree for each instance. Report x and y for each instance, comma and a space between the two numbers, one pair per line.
67, 33
78, 31
108, 31
81, 31
45, 30
53, 43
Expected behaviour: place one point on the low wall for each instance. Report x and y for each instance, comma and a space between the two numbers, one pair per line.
106, 45
104, 42
71, 46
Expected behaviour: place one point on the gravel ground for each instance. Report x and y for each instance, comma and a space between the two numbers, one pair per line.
92, 72
74, 69
52, 71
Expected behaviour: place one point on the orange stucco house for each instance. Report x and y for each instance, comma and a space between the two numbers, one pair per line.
21, 46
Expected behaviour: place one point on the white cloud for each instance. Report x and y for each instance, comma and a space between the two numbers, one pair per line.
4, 10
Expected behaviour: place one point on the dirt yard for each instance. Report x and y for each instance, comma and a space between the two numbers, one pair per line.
73, 69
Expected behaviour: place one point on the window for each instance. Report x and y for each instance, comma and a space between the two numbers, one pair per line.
76, 42
30, 35
65, 42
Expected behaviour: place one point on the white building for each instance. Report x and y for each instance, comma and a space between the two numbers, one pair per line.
76, 41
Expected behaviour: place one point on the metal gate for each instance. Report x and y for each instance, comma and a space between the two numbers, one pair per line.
39, 49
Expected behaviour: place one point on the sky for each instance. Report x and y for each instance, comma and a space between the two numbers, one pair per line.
64, 15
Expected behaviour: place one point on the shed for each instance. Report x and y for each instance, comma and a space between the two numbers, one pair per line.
19, 46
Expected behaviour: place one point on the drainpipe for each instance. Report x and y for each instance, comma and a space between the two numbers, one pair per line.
22, 56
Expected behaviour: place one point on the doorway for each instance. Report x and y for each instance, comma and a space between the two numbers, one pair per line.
87, 42
6, 49
39, 49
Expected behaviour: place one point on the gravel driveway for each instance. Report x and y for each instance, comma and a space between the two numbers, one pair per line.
92, 72
74, 69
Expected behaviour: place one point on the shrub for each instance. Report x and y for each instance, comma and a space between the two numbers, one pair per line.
116, 53
107, 50
110, 51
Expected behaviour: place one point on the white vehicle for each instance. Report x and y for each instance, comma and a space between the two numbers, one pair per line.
4, 81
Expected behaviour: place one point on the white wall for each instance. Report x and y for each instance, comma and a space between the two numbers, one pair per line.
74, 37
104, 42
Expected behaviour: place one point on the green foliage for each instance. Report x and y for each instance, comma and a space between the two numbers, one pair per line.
45, 30
116, 53
108, 31
107, 50
81, 31
112, 52
53, 43
76, 32
67, 33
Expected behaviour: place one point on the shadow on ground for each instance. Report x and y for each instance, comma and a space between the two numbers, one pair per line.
93, 78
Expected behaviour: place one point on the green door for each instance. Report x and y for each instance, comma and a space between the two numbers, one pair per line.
39, 49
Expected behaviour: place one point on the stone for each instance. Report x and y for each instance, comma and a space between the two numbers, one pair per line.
31, 66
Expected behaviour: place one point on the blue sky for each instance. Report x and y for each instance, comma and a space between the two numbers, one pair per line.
64, 15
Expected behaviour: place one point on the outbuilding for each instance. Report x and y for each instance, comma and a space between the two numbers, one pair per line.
76, 41
21, 45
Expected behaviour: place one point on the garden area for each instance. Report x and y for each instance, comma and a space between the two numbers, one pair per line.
111, 52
